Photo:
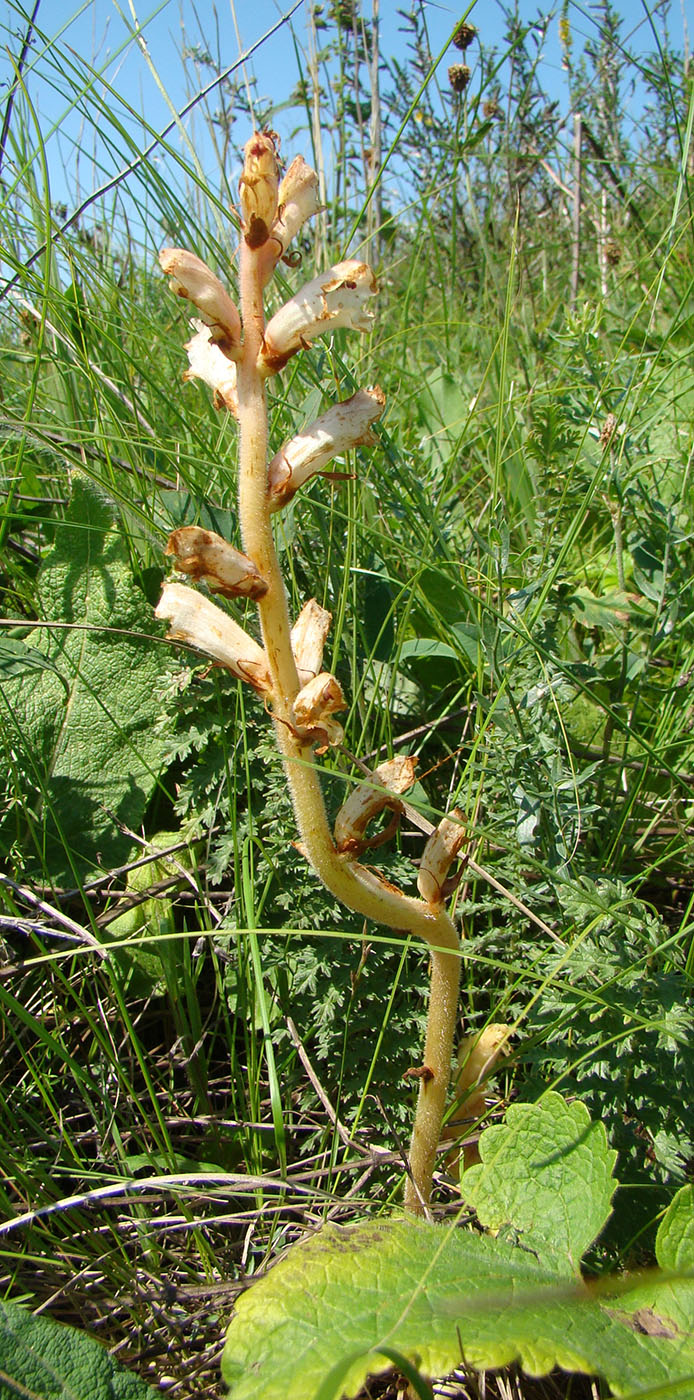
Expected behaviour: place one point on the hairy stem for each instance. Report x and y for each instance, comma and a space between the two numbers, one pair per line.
356, 886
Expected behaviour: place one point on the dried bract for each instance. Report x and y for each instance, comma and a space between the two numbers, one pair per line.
192, 278
337, 297
203, 555
258, 187
208, 362
394, 776
346, 425
200, 623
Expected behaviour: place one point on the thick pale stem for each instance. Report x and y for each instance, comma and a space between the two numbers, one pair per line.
351, 883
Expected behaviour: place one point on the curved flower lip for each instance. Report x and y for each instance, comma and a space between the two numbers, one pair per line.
193, 279
337, 297
308, 639
315, 706
439, 853
390, 779
208, 362
200, 623
297, 201
346, 425
204, 555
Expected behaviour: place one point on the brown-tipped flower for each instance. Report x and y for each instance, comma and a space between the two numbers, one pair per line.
204, 555
394, 776
346, 425
191, 278
315, 706
208, 362
200, 623
459, 76
338, 297
464, 35
439, 853
297, 201
258, 187
308, 639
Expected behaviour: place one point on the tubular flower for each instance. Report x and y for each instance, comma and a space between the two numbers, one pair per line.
192, 279
297, 201
315, 706
337, 297
394, 776
439, 853
308, 639
208, 362
346, 425
477, 1056
200, 623
258, 187
204, 555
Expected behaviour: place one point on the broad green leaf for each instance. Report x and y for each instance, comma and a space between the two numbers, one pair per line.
546, 1175
89, 758
318, 1324
44, 1360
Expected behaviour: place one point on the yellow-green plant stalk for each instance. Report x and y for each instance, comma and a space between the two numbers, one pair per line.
235, 355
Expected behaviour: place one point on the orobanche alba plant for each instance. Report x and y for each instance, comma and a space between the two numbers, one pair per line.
236, 354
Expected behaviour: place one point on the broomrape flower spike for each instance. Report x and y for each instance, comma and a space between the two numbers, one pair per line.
235, 356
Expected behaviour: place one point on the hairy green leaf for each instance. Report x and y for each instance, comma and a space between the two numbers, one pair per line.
44, 1360
88, 759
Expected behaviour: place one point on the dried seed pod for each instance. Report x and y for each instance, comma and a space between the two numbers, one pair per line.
258, 187
337, 297
308, 639
439, 853
199, 622
192, 278
208, 362
464, 35
297, 201
394, 776
204, 555
315, 706
345, 425
459, 76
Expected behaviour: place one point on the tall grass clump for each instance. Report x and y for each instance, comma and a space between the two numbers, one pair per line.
205, 1052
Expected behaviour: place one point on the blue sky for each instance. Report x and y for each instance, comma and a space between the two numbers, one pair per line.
147, 74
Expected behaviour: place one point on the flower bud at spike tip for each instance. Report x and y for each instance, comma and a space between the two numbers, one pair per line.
200, 623
258, 187
191, 278
297, 201
207, 362
204, 555
308, 639
337, 297
394, 776
439, 853
346, 425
